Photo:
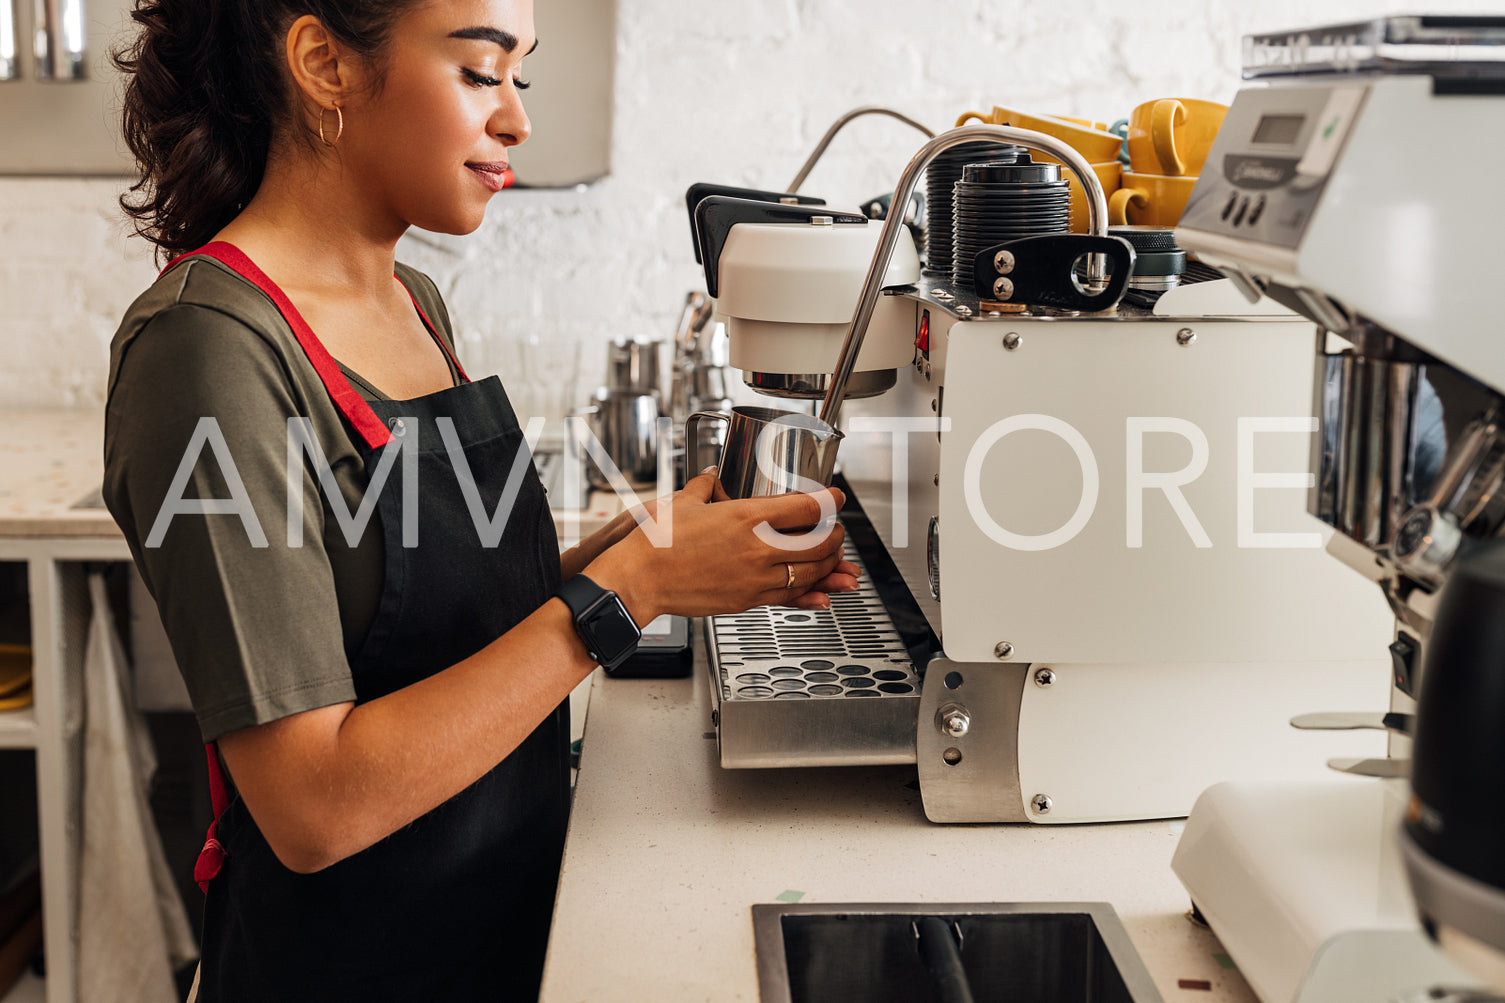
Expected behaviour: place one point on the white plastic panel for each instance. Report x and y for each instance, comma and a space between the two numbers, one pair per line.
1117, 741
1093, 597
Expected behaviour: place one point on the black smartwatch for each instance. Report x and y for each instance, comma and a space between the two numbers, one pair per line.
603, 623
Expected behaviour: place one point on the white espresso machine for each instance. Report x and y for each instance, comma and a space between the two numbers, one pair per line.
1092, 585
1343, 184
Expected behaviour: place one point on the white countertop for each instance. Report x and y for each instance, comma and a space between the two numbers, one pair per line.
52, 462
667, 852
49, 462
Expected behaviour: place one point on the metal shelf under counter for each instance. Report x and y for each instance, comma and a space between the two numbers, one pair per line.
667, 853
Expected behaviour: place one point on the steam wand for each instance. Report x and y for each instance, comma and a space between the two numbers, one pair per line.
837, 126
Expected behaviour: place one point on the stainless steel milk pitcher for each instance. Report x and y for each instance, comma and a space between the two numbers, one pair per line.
768, 451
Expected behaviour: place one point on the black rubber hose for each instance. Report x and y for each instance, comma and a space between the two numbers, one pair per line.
943, 962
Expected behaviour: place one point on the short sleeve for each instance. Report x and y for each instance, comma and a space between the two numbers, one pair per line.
198, 409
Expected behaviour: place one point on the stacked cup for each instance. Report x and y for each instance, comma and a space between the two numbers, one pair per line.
1168, 143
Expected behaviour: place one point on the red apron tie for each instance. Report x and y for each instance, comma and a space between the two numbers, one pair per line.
212, 856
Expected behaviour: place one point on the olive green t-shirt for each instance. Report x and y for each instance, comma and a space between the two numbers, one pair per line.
260, 629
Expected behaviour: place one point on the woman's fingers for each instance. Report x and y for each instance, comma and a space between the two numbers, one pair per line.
820, 546
847, 568
812, 600
798, 511
795, 579
836, 582
702, 487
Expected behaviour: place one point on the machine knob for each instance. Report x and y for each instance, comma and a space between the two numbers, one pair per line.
1426, 543
933, 556
953, 720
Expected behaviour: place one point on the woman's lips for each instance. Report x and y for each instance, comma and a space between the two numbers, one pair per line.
493, 175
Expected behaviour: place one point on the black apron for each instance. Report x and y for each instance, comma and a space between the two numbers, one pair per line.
456, 905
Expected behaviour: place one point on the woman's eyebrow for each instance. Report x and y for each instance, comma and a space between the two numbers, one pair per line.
505, 39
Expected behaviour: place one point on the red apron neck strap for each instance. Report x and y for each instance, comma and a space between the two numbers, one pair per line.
351, 404
434, 333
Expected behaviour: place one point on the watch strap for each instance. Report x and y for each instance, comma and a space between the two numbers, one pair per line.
580, 594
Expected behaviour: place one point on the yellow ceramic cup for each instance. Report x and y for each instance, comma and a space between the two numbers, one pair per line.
1082, 121
1108, 175
1096, 145
1172, 135
1149, 199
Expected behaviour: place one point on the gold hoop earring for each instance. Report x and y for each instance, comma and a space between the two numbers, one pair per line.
339, 126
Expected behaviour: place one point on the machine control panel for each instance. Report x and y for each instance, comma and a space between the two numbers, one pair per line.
1271, 162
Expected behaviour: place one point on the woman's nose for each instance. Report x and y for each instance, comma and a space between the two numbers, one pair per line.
510, 123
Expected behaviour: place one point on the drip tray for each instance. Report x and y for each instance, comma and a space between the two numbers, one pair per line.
830, 687
1048, 952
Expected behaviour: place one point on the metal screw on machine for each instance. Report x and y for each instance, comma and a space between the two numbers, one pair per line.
1003, 262
964, 311
1003, 288
943, 295
933, 404
1003, 650
1185, 336
1012, 340
1041, 803
1045, 677
936, 480
953, 720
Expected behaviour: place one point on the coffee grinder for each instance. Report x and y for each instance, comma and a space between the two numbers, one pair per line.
1307, 199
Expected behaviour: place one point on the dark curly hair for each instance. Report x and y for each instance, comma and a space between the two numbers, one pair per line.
206, 90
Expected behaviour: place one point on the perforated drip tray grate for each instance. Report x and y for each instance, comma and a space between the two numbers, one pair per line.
818, 688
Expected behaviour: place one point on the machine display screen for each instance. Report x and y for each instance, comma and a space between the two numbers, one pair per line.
1281, 129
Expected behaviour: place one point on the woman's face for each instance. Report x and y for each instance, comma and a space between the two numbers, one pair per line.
430, 144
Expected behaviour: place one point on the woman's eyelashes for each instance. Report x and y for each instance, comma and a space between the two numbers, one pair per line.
480, 79
483, 80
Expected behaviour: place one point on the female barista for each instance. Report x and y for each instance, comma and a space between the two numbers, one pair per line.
385, 681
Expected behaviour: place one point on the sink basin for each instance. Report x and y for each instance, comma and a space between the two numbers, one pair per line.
1044, 952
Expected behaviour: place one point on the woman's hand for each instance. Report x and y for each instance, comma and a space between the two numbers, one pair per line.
695, 558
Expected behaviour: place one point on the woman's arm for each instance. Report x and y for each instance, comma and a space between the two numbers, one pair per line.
327, 783
324, 784
574, 560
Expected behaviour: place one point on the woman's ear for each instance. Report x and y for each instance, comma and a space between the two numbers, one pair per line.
323, 70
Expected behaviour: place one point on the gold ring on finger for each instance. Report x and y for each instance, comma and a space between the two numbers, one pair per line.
789, 584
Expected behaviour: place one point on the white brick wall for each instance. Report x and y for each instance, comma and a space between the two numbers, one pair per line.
733, 91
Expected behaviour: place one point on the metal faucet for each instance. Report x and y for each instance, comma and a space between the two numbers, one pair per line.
1097, 224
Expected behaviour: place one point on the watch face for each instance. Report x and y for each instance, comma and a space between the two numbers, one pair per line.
613, 630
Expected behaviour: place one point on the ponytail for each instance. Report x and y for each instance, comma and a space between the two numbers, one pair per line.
206, 91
